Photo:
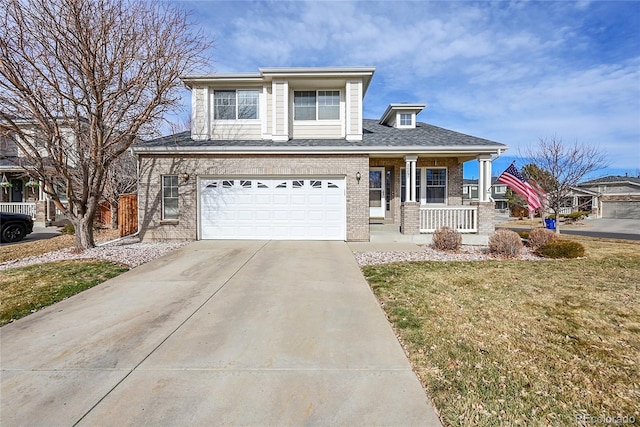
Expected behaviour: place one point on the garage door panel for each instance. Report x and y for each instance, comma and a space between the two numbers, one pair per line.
273, 208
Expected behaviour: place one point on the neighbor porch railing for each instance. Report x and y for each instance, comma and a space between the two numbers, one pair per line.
463, 219
22, 208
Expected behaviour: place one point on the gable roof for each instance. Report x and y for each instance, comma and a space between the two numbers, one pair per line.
613, 179
377, 138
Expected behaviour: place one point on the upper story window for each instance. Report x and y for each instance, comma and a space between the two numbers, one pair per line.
500, 189
406, 119
235, 104
316, 105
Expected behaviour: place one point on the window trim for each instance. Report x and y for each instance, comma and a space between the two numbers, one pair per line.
411, 119
500, 189
421, 191
236, 105
317, 106
177, 197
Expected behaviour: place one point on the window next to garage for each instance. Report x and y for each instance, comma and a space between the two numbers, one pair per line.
235, 104
316, 105
170, 197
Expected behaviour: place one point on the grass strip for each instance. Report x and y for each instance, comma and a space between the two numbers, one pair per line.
520, 342
24, 290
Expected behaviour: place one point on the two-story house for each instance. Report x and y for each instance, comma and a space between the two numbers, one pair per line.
19, 191
285, 153
470, 193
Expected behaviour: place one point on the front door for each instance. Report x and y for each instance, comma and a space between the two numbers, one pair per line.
16, 190
377, 201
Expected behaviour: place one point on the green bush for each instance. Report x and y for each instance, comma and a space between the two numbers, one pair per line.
447, 239
506, 243
523, 234
540, 237
68, 229
574, 216
561, 249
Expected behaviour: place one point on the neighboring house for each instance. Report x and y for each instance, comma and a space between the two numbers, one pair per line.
286, 154
18, 192
498, 193
607, 197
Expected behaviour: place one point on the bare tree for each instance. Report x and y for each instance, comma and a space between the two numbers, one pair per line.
81, 80
557, 166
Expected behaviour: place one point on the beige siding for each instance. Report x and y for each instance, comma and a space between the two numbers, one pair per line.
199, 112
281, 119
355, 103
237, 130
186, 227
317, 130
269, 105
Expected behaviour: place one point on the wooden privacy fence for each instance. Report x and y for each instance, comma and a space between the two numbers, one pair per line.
128, 214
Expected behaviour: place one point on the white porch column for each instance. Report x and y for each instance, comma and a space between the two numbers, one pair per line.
407, 180
410, 162
484, 178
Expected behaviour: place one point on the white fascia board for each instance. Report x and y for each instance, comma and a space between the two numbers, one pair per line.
316, 71
204, 79
321, 150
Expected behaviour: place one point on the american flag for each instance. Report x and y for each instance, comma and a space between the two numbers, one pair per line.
513, 179
542, 195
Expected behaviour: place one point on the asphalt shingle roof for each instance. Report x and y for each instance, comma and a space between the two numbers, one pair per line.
612, 179
374, 135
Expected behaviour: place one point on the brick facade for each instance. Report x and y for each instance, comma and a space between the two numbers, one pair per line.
410, 218
454, 180
152, 167
486, 217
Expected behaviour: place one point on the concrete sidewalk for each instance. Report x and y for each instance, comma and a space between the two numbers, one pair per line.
219, 332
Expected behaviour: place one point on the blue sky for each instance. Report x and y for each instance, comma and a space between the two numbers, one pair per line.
508, 71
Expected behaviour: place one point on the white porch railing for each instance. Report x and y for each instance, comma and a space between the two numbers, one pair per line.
22, 208
463, 219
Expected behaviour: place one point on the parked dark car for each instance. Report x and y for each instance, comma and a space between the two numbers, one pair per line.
14, 227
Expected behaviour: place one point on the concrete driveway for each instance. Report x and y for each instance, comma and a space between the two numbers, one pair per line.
217, 333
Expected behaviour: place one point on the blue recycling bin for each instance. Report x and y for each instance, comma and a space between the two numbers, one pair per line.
550, 223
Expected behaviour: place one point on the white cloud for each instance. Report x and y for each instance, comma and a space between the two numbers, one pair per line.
509, 71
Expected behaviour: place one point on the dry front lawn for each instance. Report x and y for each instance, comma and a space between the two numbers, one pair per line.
521, 342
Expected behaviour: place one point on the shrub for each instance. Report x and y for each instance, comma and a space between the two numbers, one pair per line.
523, 234
447, 239
505, 242
561, 249
68, 229
540, 237
574, 216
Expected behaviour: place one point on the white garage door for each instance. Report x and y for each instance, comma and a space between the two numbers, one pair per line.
273, 208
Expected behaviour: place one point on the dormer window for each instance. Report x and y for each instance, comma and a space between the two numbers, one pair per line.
406, 120
235, 104
401, 116
316, 105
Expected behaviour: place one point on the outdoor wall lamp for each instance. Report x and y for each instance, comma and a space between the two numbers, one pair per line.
358, 177
184, 176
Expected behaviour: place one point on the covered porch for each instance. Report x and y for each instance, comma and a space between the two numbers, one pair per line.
417, 194
22, 195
